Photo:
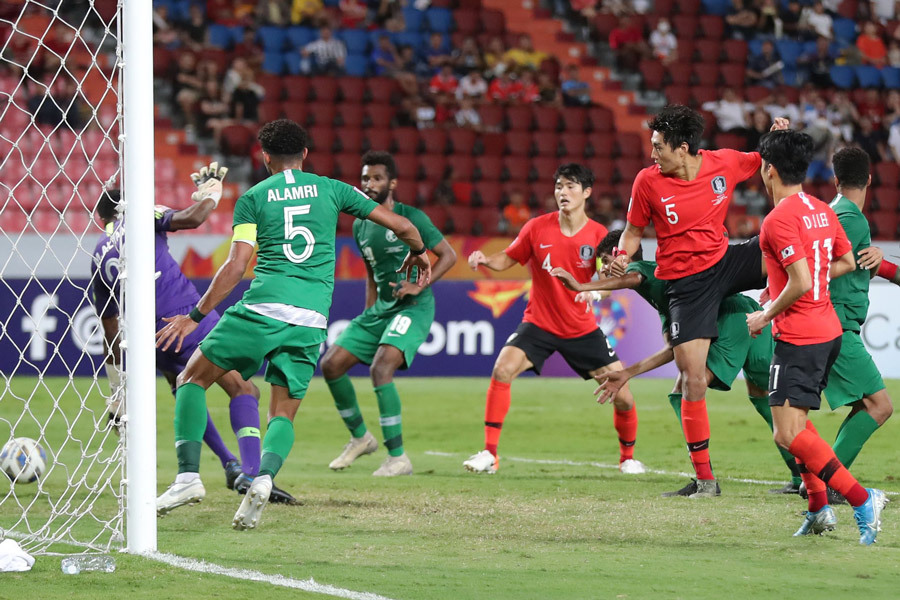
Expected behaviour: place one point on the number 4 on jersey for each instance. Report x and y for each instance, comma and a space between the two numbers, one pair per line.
546, 264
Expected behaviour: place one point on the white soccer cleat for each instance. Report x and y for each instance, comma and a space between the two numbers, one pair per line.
632, 467
180, 494
482, 462
355, 448
393, 466
247, 515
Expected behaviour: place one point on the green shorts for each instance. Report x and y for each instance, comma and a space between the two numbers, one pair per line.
243, 339
853, 374
735, 350
404, 330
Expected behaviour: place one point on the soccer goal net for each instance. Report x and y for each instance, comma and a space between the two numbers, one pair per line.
61, 147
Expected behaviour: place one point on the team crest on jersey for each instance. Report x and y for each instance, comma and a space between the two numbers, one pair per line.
719, 184
390, 236
586, 254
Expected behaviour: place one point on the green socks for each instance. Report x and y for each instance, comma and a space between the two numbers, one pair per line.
391, 428
276, 445
345, 400
854, 432
190, 425
761, 404
675, 401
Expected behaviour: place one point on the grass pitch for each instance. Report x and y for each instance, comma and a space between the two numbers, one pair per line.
558, 521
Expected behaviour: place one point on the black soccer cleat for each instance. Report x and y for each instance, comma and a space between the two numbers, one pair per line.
232, 472
689, 489
277, 496
834, 497
789, 488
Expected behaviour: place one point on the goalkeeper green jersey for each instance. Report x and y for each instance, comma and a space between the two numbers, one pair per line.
385, 253
653, 290
850, 292
293, 216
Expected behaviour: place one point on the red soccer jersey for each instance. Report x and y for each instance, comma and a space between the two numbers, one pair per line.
541, 243
802, 226
689, 216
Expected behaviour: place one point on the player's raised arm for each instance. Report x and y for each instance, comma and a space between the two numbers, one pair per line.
446, 258
407, 232
495, 262
604, 284
611, 382
209, 191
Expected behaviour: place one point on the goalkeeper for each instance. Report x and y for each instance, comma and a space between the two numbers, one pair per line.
174, 292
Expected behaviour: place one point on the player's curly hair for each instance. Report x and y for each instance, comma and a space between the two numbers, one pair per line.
611, 242
577, 173
679, 125
851, 167
107, 205
379, 157
788, 151
283, 138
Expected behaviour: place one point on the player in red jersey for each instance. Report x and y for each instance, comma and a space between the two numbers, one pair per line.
552, 321
685, 195
804, 247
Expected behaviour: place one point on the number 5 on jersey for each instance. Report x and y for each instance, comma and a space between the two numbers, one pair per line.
291, 231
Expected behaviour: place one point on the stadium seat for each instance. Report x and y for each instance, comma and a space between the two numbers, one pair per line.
653, 74
273, 86
346, 167
733, 75
406, 140
735, 51
271, 38
438, 216
717, 7
350, 115
462, 141
543, 167
439, 19
493, 116
516, 168
492, 144
519, 143
575, 118
887, 174
413, 39
868, 76
686, 49
601, 119
602, 169
237, 140
462, 167
220, 36
518, 118
844, 30
297, 37
468, 22
349, 139
487, 193
379, 115
423, 193
356, 40
630, 145
843, 76
322, 139
574, 144
352, 89
45, 220
414, 19
296, 111
708, 50
685, 26
627, 168
886, 197
488, 168
324, 88
296, 87
732, 141
603, 25
291, 62
701, 95
273, 63
382, 89
680, 73
322, 114
379, 138
433, 167
789, 50
433, 141
460, 220
493, 22
545, 143
357, 65
706, 74
488, 221
755, 93
685, 7
602, 144
13, 220
884, 223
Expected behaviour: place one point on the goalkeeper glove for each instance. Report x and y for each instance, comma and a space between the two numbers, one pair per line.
209, 183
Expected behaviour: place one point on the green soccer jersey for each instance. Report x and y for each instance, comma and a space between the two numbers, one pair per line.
385, 253
292, 216
653, 290
850, 292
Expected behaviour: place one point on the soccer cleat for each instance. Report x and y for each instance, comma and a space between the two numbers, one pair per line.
232, 471
868, 516
278, 495
179, 494
355, 448
706, 488
834, 496
393, 466
817, 522
789, 488
689, 489
632, 467
247, 515
482, 462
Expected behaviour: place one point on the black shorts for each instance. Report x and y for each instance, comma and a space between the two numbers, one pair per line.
584, 354
799, 373
694, 300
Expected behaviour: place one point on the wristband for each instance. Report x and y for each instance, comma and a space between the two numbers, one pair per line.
617, 252
887, 269
418, 252
196, 316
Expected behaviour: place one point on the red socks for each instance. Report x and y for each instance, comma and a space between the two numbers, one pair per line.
695, 423
819, 458
498, 401
626, 423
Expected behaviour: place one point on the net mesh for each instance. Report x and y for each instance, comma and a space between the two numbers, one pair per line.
60, 68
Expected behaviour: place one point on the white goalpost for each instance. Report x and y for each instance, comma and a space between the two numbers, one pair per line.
68, 71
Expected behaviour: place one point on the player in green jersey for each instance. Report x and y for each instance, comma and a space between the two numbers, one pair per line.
396, 321
291, 217
734, 350
854, 379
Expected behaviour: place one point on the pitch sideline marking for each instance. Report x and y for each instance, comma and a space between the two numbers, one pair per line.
307, 585
574, 463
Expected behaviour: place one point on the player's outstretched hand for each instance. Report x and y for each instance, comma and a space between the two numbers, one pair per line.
178, 328
756, 322
610, 384
618, 265
209, 183
780, 123
424, 265
764, 297
477, 258
870, 258
404, 288
566, 278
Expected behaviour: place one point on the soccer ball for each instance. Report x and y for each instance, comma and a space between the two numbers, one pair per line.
23, 460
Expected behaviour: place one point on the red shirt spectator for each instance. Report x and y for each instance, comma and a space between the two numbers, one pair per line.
871, 46
444, 82
625, 33
504, 89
